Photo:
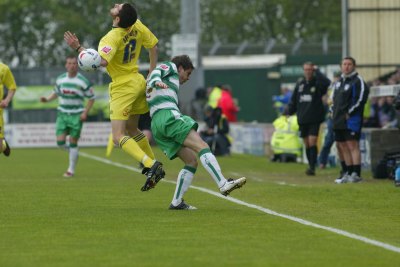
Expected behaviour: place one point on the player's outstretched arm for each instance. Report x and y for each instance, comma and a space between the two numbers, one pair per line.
44, 99
72, 41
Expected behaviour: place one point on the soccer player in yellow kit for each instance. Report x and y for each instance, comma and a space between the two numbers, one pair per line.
7, 79
120, 49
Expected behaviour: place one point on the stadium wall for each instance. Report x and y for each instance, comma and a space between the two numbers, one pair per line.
372, 36
248, 138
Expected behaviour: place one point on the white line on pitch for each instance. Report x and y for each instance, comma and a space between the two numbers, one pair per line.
265, 210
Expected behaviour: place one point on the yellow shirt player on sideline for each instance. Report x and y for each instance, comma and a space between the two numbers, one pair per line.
120, 49
7, 79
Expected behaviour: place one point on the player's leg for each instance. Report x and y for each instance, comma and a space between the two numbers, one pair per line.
4, 147
61, 130
184, 179
73, 156
74, 128
61, 143
210, 163
61, 135
137, 135
126, 100
129, 145
152, 168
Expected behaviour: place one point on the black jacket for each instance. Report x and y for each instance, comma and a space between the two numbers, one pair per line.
349, 96
306, 100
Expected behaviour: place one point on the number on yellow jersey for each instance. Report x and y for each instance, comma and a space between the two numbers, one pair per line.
129, 51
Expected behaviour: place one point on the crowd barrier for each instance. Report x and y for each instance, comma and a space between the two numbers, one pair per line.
248, 138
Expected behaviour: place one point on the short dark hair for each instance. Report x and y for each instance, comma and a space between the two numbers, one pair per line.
127, 15
183, 61
351, 59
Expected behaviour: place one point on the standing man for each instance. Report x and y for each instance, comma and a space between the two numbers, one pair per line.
6, 79
349, 97
176, 134
71, 90
119, 50
306, 102
329, 136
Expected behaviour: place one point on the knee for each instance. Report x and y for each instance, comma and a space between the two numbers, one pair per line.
192, 161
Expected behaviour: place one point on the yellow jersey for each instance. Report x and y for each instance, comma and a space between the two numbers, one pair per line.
7, 79
121, 48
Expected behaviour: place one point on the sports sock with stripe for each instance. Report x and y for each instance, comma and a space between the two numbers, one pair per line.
210, 163
144, 144
133, 149
183, 182
73, 157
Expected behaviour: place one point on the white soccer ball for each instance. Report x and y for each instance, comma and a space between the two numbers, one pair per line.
89, 60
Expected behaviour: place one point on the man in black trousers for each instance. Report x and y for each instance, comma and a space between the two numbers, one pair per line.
307, 103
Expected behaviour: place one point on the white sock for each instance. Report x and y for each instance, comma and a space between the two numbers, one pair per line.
210, 163
73, 158
183, 182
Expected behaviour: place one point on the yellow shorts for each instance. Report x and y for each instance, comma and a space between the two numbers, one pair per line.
1, 124
128, 97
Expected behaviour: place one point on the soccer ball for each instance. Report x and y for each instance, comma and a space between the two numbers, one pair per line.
89, 60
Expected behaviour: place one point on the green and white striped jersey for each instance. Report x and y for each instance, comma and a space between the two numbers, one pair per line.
72, 92
159, 98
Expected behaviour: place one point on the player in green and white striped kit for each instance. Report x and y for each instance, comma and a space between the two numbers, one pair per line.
176, 133
71, 89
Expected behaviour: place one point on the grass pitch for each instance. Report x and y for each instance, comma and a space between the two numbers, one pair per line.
101, 218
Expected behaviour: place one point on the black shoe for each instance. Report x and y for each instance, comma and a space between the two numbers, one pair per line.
310, 172
154, 175
7, 150
182, 206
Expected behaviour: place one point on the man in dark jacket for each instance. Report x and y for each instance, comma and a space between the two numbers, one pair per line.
216, 131
307, 103
349, 97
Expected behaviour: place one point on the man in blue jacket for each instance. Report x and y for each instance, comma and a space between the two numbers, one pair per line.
349, 96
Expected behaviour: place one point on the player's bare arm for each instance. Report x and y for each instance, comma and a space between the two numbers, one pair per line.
6, 101
153, 57
72, 41
51, 97
87, 109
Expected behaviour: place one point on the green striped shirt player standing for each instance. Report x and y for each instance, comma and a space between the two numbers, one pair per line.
176, 133
71, 89
71, 93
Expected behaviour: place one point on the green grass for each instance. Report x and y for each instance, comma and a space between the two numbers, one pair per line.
101, 218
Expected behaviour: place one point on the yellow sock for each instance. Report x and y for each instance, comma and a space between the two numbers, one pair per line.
132, 148
110, 145
144, 144
3, 146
